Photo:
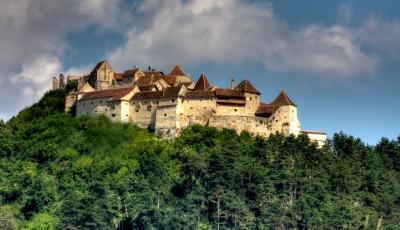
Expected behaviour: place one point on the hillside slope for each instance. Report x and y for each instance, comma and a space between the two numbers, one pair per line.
60, 172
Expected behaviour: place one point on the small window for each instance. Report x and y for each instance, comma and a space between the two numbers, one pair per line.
255, 97
173, 100
235, 110
137, 110
250, 98
106, 110
113, 115
165, 114
101, 101
91, 102
126, 115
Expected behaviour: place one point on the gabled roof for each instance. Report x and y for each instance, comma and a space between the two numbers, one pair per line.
108, 93
177, 70
202, 84
147, 80
283, 99
246, 87
172, 91
98, 65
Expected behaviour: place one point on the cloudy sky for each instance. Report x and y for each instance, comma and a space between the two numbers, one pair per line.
338, 60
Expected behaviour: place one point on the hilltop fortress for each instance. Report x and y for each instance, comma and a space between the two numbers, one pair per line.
167, 103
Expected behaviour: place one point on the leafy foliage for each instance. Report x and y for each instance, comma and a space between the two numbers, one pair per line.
60, 172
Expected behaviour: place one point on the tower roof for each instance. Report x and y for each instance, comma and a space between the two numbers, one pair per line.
202, 84
177, 70
282, 99
246, 87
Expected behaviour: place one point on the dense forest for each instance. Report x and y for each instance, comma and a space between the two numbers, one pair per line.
62, 172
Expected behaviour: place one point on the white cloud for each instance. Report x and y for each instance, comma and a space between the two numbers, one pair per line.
33, 38
384, 36
196, 31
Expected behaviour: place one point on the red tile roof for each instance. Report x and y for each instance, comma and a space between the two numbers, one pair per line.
202, 84
118, 76
147, 80
171, 91
282, 99
177, 70
146, 87
166, 93
116, 93
147, 95
230, 93
266, 110
247, 87
200, 94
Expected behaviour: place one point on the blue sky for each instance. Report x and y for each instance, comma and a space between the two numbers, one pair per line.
339, 61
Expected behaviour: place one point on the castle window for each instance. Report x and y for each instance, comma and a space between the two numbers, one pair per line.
182, 101
126, 103
255, 97
235, 110
113, 115
106, 110
137, 110
101, 101
165, 114
250, 98
173, 100
91, 102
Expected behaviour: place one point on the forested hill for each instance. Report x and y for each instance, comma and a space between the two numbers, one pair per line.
60, 172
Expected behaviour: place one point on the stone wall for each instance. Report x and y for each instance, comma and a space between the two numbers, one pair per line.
101, 106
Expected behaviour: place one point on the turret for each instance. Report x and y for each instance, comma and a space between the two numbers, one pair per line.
252, 97
288, 113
